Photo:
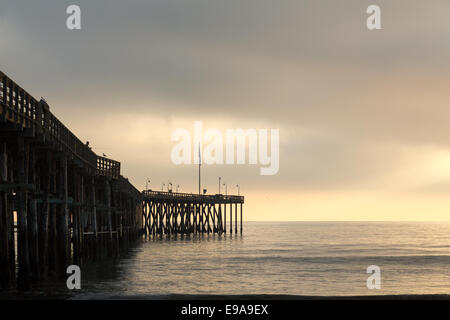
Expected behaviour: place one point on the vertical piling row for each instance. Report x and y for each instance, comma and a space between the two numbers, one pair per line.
167, 213
52, 216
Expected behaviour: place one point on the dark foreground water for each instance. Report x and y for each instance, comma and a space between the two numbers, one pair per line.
300, 258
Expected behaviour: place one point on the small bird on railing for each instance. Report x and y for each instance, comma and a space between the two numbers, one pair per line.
104, 155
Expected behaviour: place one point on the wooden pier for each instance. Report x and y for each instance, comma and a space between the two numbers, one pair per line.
67, 203
61, 204
182, 213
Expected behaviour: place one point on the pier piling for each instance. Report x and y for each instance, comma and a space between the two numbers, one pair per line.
173, 213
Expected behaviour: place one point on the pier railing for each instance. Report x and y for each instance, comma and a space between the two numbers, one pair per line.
18, 107
217, 198
108, 167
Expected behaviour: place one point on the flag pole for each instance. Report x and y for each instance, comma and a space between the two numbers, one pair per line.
199, 166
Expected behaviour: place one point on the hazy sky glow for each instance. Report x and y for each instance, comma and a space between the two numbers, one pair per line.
363, 115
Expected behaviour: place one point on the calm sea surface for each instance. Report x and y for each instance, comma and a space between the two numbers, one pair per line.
298, 258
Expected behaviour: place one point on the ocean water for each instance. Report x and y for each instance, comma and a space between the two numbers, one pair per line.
295, 258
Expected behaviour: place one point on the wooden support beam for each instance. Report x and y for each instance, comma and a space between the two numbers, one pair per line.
208, 217
160, 217
33, 222
62, 219
94, 217
56, 200
235, 218
203, 217
43, 216
225, 218
145, 217
220, 219
155, 218
6, 277
75, 211
22, 221
52, 236
81, 217
241, 217
5, 270
11, 186
231, 218
107, 187
3, 163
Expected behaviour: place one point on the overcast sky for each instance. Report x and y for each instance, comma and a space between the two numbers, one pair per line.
363, 115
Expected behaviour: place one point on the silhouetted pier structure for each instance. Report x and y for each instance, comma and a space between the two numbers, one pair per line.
66, 202
61, 204
183, 213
